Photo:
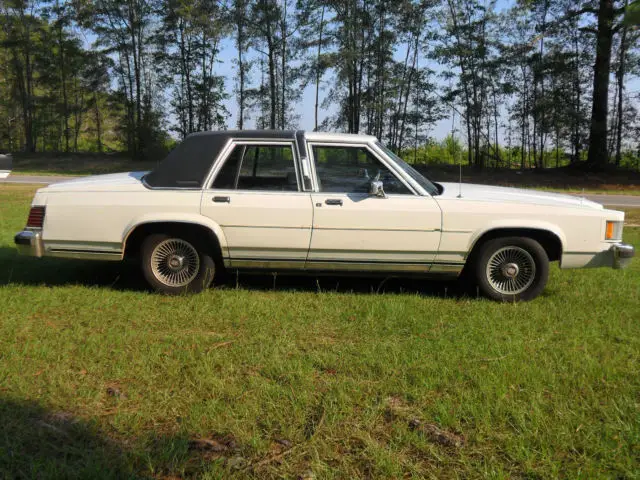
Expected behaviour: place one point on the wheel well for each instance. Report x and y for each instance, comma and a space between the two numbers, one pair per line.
134, 240
549, 240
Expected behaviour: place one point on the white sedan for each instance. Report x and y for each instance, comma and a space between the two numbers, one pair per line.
294, 201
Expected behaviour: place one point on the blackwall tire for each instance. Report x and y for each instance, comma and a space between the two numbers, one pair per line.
175, 265
511, 269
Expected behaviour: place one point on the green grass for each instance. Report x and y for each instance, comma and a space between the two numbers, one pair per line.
102, 379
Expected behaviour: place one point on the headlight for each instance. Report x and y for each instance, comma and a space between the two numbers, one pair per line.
613, 231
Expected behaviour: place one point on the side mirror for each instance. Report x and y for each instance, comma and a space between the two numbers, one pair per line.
376, 189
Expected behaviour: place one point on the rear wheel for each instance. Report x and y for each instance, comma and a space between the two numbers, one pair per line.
511, 269
173, 264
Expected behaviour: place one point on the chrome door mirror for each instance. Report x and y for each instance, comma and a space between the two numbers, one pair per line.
376, 189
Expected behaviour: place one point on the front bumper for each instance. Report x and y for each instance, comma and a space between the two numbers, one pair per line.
622, 254
29, 242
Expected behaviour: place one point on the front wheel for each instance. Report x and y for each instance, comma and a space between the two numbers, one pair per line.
512, 269
173, 265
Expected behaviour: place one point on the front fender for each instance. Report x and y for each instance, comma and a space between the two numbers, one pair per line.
499, 224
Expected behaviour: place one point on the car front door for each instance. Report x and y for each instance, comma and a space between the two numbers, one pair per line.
353, 230
256, 198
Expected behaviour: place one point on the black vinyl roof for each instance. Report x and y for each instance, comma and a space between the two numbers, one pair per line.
188, 164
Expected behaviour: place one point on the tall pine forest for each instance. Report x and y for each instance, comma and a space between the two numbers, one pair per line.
509, 83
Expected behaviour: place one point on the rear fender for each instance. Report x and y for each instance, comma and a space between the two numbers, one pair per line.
193, 219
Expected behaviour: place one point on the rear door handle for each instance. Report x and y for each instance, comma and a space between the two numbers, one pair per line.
333, 201
222, 199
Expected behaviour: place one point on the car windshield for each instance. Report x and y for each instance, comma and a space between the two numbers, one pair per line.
412, 172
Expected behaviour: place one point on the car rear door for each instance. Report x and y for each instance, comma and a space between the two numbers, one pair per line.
256, 197
353, 230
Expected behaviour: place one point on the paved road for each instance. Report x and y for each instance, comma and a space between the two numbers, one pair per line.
628, 201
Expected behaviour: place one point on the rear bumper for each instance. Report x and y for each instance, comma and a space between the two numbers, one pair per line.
29, 242
622, 254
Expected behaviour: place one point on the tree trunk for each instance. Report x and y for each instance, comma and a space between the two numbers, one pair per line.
78, 107
185, 62
63, 82
598, 133
541, 112
394, 124
204, 107
136, 49
283, 66
241, 68
400, 136
578, 100
315, 128
272, 76
26, 83
620, 78
98, 120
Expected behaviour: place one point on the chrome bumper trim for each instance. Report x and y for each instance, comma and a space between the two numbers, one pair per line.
29, 242
622, 255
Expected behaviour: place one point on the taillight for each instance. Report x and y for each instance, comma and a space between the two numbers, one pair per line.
36, 217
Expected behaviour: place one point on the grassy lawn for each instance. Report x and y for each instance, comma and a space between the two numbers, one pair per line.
331, 379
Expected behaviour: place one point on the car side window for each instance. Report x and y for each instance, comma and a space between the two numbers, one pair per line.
258, 167
351, 170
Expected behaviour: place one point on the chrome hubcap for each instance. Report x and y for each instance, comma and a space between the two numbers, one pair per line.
511, 270
175, 262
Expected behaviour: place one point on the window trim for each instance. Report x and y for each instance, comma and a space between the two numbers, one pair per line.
365, 145
228, 150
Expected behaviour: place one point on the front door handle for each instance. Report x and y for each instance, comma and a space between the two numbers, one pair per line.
333, 201
222, 199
